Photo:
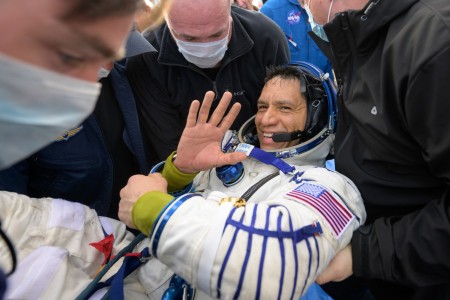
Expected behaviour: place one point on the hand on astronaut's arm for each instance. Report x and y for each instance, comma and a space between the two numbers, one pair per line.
200, 148
339, 268
141, 201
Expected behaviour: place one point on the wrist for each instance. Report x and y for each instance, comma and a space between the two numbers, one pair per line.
176, 164
176, 179
146, 210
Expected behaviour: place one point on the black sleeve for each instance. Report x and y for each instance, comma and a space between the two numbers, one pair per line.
415, 249
160, 120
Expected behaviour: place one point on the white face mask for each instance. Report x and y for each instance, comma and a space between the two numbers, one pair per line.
37, 106
203, 55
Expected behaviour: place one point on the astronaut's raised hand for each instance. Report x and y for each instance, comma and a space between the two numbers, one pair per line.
199, 148
137, 186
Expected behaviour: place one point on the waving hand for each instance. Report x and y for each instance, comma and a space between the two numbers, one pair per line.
199, 148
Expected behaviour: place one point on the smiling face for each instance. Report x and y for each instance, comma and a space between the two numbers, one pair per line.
281, 108
40, 33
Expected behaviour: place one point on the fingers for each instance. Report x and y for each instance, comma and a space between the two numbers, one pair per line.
340, 267
192, 116
198, 114
231, 158
205, 108
219, 112
230, 117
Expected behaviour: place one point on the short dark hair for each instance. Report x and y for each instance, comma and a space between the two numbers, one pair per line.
94, 9
312, 90
286, 72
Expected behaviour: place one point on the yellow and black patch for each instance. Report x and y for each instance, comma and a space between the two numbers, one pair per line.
68, 134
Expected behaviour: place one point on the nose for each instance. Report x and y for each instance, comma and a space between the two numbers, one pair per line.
269, 117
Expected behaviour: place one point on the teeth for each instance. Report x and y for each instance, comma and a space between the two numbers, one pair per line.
268, 135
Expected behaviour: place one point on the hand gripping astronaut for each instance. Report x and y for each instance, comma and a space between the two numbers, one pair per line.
261, 229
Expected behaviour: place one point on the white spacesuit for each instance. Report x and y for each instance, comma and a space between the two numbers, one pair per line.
263, 229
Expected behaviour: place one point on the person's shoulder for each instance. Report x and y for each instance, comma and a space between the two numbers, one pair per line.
148, 57
138, 67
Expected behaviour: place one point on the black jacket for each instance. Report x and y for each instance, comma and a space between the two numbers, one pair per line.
392, 61
165, 83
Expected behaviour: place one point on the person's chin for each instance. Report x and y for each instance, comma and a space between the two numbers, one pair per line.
268, 145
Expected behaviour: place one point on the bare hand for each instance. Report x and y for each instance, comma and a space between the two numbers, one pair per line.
200, 147
340, 267
137, 186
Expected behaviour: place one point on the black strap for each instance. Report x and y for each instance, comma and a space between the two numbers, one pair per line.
246, 196
11, 250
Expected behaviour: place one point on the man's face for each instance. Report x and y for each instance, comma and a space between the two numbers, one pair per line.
36, 33
319, 10
281, 108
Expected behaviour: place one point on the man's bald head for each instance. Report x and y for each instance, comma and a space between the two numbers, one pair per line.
197, 8
199, 18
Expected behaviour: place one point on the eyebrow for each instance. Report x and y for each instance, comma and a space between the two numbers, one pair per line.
276, 102
98, 45
187, 36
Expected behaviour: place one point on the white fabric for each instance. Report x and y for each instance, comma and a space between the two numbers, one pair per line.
63, 211
185, 240
55, 258
212, 239
201, 248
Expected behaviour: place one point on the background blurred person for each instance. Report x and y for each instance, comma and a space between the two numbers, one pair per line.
48, 80
293, 20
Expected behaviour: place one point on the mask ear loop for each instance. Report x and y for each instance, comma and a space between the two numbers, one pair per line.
329, 11
11, 250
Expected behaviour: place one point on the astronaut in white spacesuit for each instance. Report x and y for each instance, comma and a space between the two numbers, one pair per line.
270, 224
261, 227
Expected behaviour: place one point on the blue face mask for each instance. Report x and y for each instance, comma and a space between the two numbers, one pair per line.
38, 108
317, 28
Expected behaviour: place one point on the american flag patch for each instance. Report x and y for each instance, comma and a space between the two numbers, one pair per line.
335, 214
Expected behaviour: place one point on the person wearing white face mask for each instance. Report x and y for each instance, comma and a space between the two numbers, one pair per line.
48, 70
97, 155
204, 45
391, 60
204, 55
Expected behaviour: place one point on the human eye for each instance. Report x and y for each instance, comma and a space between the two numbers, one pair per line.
187, 38
262, 107
284, 108
216, 35
70, 60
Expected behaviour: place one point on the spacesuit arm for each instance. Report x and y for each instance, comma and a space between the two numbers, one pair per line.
275, 247
176, 180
